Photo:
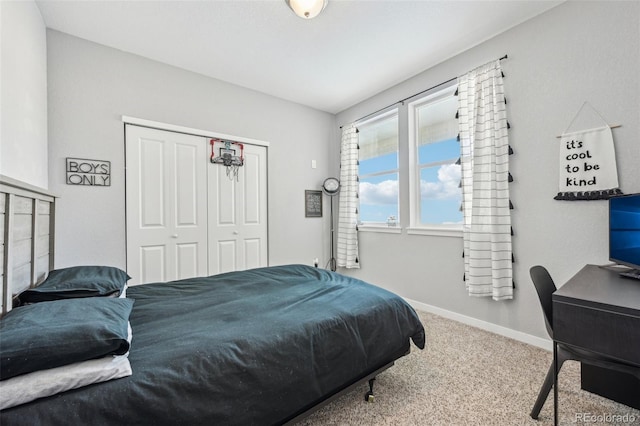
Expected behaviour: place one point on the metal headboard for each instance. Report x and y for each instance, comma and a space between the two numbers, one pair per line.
27, 215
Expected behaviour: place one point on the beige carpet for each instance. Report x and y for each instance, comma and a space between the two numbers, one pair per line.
467, 376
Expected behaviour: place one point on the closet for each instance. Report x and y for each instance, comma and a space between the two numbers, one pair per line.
187, 216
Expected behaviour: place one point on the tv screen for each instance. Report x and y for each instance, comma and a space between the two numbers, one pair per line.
624, 230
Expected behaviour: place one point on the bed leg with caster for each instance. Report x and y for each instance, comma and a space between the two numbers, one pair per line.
369, 397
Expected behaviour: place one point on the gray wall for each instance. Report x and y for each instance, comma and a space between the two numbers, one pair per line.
579, 51
91, 86
575, 52
23, 93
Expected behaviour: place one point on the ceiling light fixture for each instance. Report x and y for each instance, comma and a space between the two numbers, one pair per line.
307, 9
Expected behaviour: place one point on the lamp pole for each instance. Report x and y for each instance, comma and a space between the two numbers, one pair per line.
331, 186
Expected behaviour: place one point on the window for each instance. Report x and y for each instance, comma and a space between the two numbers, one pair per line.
435, 195
378, 170
407, 166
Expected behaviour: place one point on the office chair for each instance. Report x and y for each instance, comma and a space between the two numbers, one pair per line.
545, 287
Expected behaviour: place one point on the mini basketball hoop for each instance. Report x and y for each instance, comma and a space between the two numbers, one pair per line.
230, 155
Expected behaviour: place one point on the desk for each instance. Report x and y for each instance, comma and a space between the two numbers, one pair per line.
600, 311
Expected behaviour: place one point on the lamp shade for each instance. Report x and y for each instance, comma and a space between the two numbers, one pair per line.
307, 9
331, 186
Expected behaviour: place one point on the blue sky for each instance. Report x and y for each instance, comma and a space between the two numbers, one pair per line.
440, 195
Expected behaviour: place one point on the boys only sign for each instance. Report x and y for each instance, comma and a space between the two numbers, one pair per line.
588, 165
88, 172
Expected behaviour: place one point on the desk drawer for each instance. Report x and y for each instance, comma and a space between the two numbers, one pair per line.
612, 333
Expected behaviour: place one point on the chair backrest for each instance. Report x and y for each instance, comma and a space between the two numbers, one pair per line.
545, 287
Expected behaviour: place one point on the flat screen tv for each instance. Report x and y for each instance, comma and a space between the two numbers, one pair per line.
624, 230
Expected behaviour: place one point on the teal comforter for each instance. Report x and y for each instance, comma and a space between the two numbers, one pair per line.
254, 347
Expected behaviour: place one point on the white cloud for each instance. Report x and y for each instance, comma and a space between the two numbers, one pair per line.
386, 192
447, 185
383, 193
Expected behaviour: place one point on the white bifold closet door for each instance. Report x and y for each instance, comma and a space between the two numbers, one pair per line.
166, 187
238, 214
185, 216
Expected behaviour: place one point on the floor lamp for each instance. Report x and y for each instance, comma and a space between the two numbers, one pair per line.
331, 186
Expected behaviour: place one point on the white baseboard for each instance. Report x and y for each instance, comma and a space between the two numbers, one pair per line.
546, 344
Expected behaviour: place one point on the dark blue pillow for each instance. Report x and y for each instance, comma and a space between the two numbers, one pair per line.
77, 281
52, 334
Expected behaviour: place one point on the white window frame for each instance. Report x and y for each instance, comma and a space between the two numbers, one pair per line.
415, 226
383, 226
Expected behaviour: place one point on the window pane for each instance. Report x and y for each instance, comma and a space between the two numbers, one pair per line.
379, 198
377, 164
436, 149
378, 169
436, 119
447, 149
378, 137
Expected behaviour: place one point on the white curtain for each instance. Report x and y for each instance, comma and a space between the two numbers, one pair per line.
349, 203
484, 146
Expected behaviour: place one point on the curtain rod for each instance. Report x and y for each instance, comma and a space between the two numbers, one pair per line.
401, 101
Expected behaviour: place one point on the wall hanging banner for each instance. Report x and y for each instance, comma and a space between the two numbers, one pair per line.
588, 165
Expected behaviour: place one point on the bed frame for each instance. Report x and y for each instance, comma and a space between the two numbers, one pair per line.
27, 215
369, 396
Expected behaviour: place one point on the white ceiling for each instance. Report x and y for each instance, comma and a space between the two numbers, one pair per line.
354, 49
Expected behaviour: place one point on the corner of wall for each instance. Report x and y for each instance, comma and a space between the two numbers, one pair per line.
23, 94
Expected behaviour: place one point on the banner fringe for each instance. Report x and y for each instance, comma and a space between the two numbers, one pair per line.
588, 195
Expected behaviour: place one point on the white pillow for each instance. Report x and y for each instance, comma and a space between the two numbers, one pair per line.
39, 384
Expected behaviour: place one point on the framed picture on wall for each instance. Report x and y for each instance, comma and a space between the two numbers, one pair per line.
312, 203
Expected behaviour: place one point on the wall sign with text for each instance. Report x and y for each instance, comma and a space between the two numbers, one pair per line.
81, 171
587, 165
588, 168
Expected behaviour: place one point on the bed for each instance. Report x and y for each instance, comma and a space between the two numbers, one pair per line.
257, 347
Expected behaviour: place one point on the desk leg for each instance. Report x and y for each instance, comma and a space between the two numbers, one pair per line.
555, 383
